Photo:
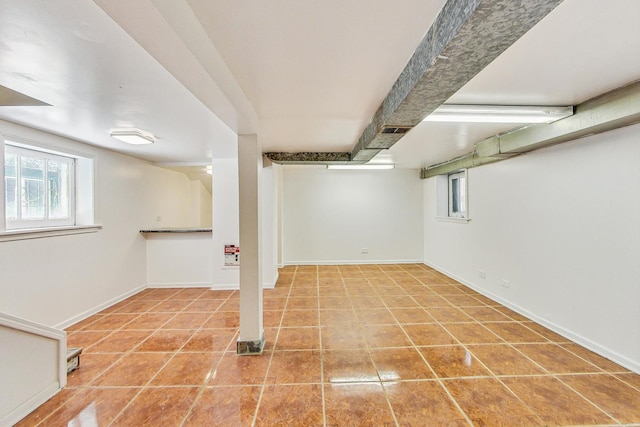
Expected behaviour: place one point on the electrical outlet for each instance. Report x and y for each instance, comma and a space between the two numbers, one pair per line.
482, 274
505, 284
364, 250
158, 218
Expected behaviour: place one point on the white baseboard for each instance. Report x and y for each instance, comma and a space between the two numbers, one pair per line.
570, 335
30, 405
181, 285
75, 319
355, 262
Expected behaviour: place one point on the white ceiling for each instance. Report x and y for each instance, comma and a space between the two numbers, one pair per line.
304, 76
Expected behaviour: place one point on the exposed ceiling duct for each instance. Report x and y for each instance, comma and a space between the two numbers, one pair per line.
612, 110
465, 37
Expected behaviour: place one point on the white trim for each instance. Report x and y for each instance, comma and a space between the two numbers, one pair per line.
184, 285
355, 262
33, 403
577, 338
32, 327
75, 319
225, 287
453, 219
39, 233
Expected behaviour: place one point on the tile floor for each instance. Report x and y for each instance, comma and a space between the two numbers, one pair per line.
379, 345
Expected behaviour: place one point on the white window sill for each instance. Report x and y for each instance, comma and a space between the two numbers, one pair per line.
453, 219
39, 233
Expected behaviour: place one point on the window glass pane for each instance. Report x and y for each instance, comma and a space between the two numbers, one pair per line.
10, 186
32, 188
455, 196
58, 179
463, 197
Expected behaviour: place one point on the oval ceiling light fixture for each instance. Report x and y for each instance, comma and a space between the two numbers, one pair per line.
133, 136
498, 114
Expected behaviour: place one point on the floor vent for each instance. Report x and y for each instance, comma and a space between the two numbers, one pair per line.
73, 359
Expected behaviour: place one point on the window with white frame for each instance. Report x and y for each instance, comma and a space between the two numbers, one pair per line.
452, 197
39, 188
458, 195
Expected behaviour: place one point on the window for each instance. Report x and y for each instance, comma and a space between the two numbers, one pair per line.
452, 200
458, 195
38, 188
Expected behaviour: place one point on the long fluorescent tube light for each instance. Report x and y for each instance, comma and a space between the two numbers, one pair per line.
133, 136
361, 167
498, 114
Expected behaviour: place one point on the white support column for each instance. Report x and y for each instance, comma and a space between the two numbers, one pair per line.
251, 339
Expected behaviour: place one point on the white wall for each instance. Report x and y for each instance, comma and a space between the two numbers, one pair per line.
562, 225
57, 280
201, 205
330, 215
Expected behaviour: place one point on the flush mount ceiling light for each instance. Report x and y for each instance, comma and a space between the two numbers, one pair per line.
498, 114
133, 136
209, 169
361, 167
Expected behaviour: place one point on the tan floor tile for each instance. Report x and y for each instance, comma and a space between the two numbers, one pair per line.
337, 317
364, 302
100, 406
133, 369
223, 319
225, 406
555, 403
448, 315
149, 321
488, 403
431, 301
241, 370
395, 364
376, 316
210, 340
158, 406
302, 303
631, 379
338, 337
429, 334
91, 366
204, 306
136, 307
303, 338
334, 302
423, 403
357, 405
340, 366
288, 405
381, 336
121, 341
187, 369
165, 340
110, 322
612, 395
83, 339
304, 290
170, 306
599, 361
295, 367
273, 303
472, 333
187, 321
485, 314
453, 361
412, 315
293, 318
514, 332
505, 360
556, 359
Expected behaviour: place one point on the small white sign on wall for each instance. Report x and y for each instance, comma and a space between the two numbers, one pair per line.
231, 255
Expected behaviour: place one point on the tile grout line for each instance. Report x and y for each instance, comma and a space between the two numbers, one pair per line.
203, 388
266, 374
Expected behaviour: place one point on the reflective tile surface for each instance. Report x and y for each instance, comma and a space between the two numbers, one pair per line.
369, 345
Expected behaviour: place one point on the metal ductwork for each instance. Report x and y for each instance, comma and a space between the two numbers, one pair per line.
465, 37
610, 111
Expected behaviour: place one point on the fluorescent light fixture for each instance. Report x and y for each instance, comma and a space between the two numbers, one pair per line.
498, 114
361, 167
209, 169
133, 136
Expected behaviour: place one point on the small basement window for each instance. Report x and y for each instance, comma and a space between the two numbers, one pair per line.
452, 197
458, 195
